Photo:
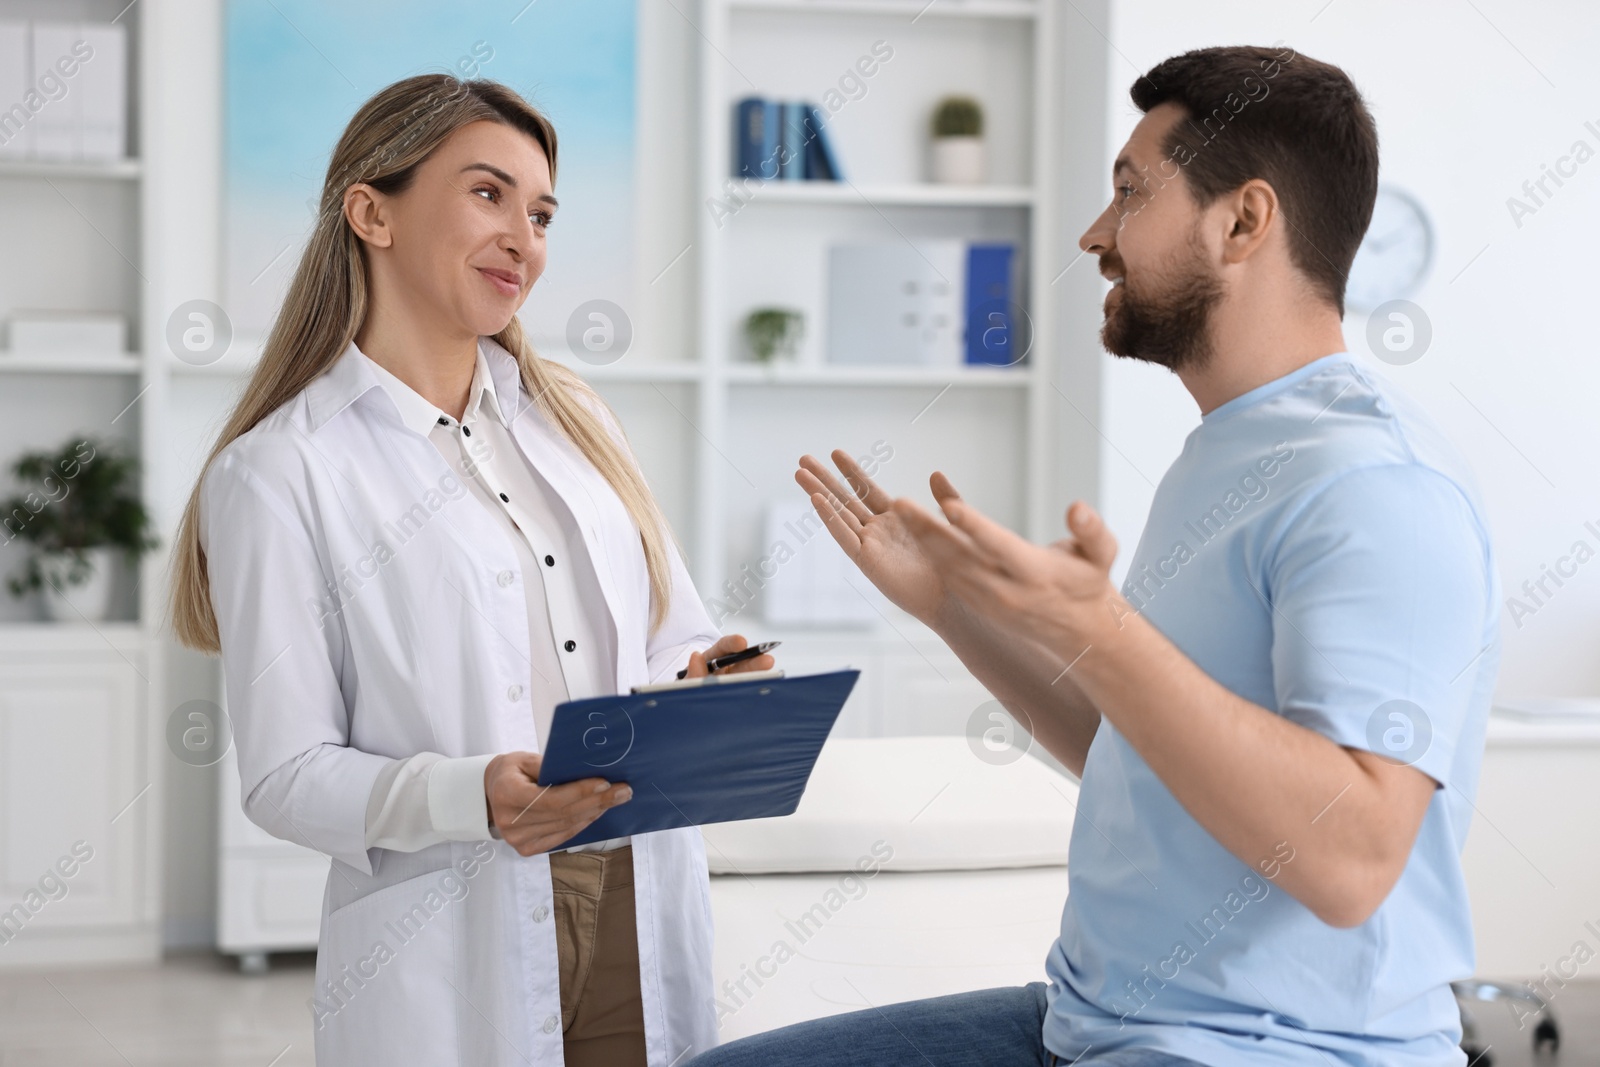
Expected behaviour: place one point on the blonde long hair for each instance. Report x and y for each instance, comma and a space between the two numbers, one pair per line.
384, 144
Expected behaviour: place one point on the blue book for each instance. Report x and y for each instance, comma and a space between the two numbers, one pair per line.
792, 156
989, 305
821, 163
696, 754
755, 138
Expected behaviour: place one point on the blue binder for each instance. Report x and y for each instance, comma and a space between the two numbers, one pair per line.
696, 755
755, 138
989, 305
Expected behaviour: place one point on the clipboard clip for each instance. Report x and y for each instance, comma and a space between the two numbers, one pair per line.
709, 679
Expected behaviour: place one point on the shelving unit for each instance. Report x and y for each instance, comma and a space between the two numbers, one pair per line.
80, 748
772, 250
743, 426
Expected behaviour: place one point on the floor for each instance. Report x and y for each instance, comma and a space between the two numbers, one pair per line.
192, 1011
198, 1011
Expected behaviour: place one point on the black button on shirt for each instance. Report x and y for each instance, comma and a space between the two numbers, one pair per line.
549, 561
570, 645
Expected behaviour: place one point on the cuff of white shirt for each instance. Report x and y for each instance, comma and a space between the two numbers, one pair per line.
457, 805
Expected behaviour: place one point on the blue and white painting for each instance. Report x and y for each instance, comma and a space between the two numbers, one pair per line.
297, 70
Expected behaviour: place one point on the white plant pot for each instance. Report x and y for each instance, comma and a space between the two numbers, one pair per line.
959, 161
88, 601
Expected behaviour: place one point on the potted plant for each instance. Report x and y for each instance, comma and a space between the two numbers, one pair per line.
958, 148
773, 333
78, 509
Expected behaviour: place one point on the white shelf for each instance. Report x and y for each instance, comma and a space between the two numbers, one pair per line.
237, 365
917, 194
1008, 9
626, 370
109, 170
70, 363
786, 375
32, 637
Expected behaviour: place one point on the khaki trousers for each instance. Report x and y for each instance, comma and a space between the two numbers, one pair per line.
597, 943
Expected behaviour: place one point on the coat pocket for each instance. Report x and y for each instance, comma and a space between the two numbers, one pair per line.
384, 984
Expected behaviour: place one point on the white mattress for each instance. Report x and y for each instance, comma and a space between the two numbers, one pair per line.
876, 940
932, 800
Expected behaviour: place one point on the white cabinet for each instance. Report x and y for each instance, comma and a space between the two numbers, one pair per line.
1533, 874
76, 810
269, 891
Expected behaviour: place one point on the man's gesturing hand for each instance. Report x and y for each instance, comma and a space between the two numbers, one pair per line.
875, 538
1058, 594
534, 818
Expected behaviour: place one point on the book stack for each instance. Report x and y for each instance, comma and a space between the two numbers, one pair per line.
782, 140
63, 90
933, 303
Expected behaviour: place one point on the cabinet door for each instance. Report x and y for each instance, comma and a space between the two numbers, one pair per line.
73, 825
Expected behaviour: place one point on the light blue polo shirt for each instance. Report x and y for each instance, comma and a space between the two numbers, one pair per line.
1320, 549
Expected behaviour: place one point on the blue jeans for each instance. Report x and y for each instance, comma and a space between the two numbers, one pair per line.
987, 1028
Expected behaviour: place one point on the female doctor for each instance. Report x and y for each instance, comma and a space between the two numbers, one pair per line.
413, 538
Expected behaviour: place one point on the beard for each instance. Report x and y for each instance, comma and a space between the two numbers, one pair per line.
1167, 320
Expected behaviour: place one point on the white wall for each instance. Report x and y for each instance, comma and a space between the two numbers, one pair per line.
1471, 100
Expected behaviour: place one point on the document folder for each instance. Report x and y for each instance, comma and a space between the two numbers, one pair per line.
698, 754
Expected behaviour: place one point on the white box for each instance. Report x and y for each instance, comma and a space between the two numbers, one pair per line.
56, 332
80, 72
55, 124
103, 91
16, 66
898, 303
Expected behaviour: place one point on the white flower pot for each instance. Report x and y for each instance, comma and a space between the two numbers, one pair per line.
90, 600
959, 161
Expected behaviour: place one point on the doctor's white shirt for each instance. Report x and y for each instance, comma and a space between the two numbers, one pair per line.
572, 652
381, 638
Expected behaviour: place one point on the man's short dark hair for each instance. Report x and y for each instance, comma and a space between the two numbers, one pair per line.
1298, 124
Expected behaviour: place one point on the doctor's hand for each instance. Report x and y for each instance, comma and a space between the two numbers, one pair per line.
724, 645
875, 537
534, 818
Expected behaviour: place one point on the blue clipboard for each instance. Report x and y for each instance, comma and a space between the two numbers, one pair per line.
699, 754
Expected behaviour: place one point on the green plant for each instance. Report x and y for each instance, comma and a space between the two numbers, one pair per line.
770, 330
958, 116
78, 498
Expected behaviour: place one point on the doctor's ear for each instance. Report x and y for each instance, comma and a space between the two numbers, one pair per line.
364, 210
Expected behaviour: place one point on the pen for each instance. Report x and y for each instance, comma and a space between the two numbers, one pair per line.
719, 662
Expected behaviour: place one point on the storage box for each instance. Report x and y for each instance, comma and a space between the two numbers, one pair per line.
16, 126
896, 303
73, 78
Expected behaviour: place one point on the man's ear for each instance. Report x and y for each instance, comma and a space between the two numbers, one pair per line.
365, 211
1253, 213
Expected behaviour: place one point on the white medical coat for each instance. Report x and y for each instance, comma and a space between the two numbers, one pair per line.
361, 621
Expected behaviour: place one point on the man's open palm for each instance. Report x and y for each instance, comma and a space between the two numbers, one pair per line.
873, 537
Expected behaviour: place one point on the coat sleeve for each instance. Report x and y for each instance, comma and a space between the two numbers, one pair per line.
283, 654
